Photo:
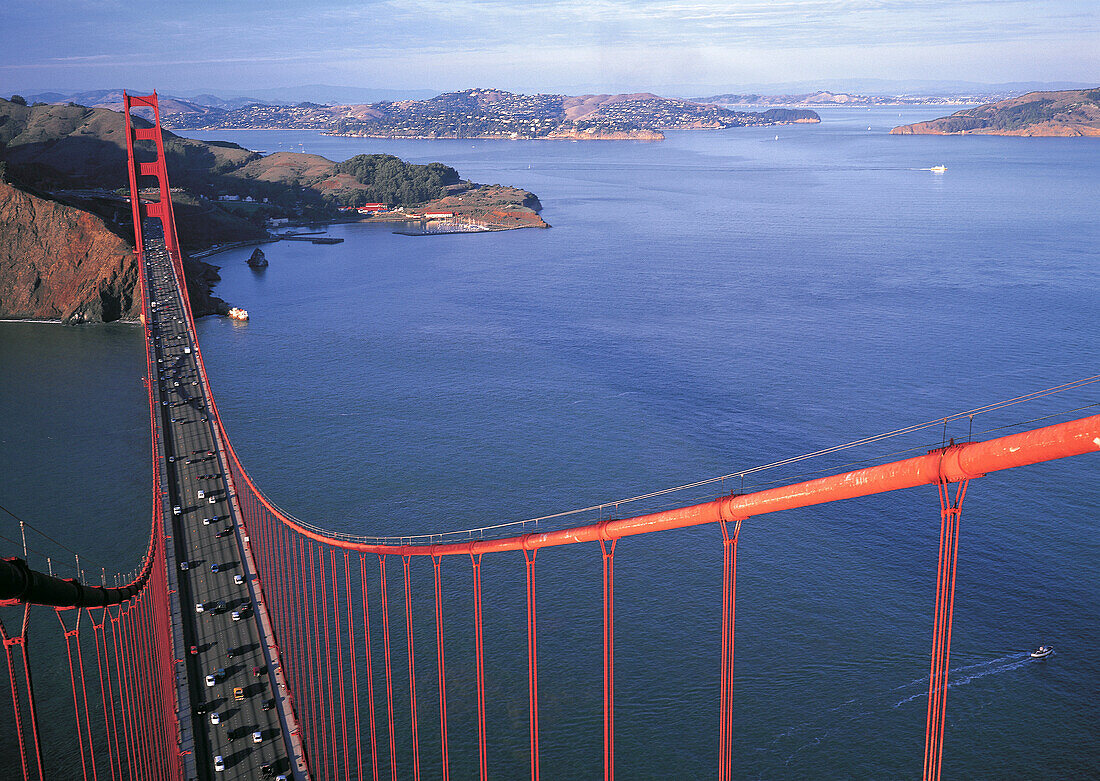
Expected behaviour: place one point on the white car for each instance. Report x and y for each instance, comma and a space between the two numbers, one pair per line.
236, 615
199, 607
177, 509
202, 494
215, 718
213, 500
238, 579
257, 737
184, 566
205, 521
211, 680
219, 763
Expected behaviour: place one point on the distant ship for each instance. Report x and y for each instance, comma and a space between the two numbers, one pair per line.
258, 260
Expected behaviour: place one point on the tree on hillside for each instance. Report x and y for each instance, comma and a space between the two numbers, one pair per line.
389, 179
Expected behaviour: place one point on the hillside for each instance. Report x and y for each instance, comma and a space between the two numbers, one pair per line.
61, 148
66, 228
492, 113
1065, 113
58, 262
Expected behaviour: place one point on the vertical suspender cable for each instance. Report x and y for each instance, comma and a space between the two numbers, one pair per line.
608, 551
122, 698
479, 654
941, 634
354, 671
319, 725
370, 667
69, 634
311, 698
386, 650
340, 660
729, 604
412, 671
328, 660
10, 641
98, 630
532, 665
84, 694
444, 748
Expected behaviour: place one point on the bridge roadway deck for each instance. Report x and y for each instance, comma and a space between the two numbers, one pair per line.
206, 536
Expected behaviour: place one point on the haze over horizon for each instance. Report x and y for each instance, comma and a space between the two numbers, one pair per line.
568, 46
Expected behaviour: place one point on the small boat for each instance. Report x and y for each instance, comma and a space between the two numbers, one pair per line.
938, 169
1042, 652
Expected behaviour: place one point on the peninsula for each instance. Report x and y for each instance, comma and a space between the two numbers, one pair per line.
65, 216
1064, 113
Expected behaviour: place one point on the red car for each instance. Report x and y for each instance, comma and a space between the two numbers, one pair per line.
194, 650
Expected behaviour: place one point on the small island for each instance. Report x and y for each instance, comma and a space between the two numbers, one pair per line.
1066, 113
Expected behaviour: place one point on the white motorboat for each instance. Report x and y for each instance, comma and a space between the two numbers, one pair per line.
1042, 652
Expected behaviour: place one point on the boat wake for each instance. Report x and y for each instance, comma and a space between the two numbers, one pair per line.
971, 672
835, 722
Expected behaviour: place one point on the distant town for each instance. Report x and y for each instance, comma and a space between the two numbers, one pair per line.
484, 113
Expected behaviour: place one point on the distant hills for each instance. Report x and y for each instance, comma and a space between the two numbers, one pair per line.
1062, 113
827, 98
485, 113
473, 113
316, 93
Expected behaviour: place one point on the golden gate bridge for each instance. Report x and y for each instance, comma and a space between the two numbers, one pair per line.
305, 592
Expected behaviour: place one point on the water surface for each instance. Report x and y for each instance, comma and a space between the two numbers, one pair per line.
701, 305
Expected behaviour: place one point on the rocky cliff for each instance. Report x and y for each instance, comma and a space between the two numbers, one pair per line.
61, 263
58, 262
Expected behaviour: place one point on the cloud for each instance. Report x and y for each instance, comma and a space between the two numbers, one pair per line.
389, 39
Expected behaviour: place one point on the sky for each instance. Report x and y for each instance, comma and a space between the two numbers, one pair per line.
230, 46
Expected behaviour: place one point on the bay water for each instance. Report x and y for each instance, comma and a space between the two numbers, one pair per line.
701, 305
